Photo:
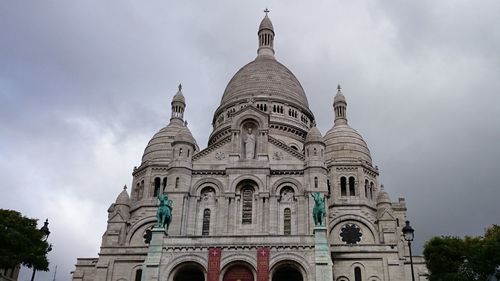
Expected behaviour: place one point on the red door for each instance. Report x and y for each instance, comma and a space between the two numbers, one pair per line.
238, 273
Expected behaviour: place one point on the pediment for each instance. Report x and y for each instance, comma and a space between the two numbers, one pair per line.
279, 152
215, 153
117, 217
386, 216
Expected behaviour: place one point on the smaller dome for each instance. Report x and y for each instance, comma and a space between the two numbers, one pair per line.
345, 143
179, 97
339, 97
383, 197
184, 135
159, 147
266, 24
123, 198
314, 135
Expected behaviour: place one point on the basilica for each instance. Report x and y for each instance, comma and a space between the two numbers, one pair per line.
242, 208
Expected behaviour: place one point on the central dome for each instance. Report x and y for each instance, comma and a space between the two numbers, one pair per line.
265, 77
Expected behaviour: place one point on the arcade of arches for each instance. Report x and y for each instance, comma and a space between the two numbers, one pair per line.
237, 272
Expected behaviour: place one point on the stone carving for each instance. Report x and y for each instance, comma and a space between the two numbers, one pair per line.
220, 155
319, 209
164, 212
287, 195
250, 145
148, 234
207, 194
278, 155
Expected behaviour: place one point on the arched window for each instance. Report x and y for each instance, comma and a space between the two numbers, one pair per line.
246, 214
164, 185
177, 182
287, 221
138, 191
180, 151
366, 188
315, 151
329, 187
138, 275
206, 223
343, 186
357, 274
157, 187
316, 182
352, 190
371, 190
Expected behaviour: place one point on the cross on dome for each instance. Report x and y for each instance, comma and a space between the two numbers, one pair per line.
266, 11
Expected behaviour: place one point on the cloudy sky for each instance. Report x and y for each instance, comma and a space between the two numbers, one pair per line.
85, 84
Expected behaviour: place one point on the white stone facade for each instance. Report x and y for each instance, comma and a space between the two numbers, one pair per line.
249, 193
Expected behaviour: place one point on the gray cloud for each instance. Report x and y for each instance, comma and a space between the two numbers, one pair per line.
84, 85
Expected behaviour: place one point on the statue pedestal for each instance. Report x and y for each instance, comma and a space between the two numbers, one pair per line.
151, 266
323, 261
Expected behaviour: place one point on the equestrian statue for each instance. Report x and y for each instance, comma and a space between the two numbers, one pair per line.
319, 212
164, 212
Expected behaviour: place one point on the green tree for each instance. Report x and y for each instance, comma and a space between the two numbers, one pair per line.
455, 259
21, 242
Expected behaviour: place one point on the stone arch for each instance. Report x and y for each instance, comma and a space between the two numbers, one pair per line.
373, 278
342, 278
200, 184
139, 225
287, 271
344, 218
186, 262
293, 260
361, 266
249, 113
293, 183
237, 263
238, 258
240, 179
133, 271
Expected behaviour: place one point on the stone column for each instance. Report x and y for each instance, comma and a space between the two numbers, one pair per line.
322, 259
151, 266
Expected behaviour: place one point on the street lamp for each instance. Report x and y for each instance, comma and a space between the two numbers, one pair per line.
45, 235
408, 236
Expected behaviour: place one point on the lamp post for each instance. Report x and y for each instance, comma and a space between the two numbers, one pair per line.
45, 235
408, 236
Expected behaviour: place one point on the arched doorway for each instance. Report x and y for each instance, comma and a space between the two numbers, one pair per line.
238, 273
189, 272
287, 272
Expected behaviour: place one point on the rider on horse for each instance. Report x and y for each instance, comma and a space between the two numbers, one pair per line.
164, 213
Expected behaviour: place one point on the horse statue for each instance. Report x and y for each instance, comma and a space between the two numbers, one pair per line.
164, 213
319, 212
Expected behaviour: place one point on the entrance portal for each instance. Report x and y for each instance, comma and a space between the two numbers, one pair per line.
287, 273
238, 273
189, 273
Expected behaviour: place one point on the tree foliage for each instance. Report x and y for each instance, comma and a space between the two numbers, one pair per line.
21, 242
471, 258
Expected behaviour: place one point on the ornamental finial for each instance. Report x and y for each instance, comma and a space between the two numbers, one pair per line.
338, 87
180, 87
266, 11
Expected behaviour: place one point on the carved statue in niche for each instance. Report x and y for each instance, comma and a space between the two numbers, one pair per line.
287, 195
249, 144
207, 194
